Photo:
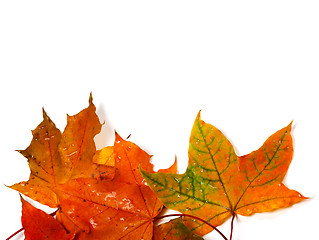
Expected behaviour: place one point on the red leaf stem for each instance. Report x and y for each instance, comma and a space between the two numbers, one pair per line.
232, 226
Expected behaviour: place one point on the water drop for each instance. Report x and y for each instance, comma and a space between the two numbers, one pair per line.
93, 223
71, 154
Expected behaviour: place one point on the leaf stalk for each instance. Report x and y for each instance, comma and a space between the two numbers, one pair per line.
232, 226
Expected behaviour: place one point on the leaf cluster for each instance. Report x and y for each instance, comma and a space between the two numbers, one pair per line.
114, 193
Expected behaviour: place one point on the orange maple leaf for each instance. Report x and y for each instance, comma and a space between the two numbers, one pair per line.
217, 184
121, 208
55, 158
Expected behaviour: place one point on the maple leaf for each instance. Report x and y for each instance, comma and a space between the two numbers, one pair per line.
121, 208
54, 158
174, 230
39, 225
218, 184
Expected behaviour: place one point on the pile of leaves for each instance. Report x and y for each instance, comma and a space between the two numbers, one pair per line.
113, 193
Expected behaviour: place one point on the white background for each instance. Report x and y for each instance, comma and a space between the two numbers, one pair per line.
250, 66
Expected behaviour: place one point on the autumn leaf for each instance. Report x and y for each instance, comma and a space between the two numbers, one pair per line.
54, 158
218, 183
121, 208
174, 230
44, 161
39, 225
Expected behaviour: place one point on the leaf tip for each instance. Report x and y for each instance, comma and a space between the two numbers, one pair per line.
44, 114
290, 124
118, 138
23, 201
91, 98
303, 197
198, 114
171, 169
198, 118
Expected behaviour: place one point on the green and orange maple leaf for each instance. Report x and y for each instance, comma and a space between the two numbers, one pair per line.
218, 184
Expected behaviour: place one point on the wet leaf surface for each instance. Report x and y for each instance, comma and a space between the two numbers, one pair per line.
121, 208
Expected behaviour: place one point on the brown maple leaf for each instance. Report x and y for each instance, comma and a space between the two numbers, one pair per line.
55, 158
217, 184
121, 208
